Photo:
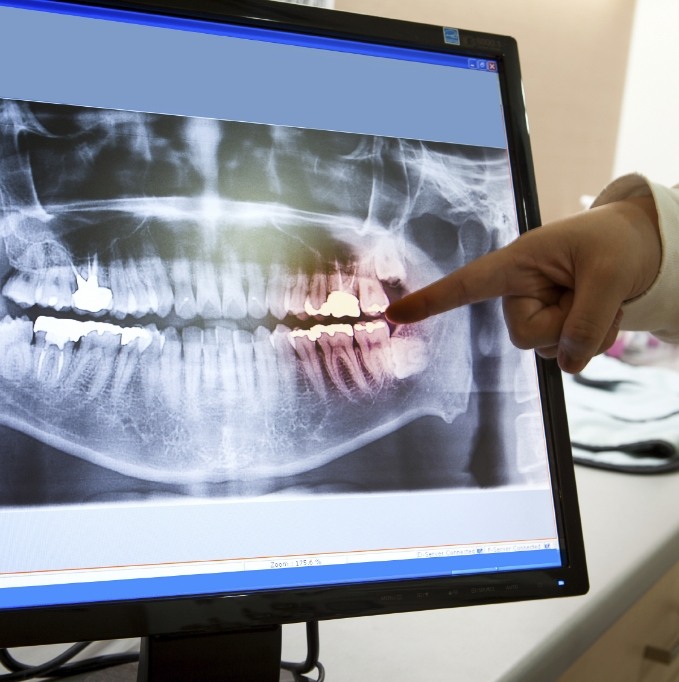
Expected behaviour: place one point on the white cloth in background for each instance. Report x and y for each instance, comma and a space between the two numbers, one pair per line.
624, 417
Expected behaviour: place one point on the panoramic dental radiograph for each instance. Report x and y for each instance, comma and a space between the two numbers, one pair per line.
196, 307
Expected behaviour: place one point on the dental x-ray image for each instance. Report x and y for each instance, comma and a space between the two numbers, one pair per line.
196, 307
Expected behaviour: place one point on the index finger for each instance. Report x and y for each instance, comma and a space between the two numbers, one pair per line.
483, 278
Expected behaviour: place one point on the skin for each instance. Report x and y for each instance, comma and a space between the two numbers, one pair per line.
562, 286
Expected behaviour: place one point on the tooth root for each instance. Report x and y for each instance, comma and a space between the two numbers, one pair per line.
92, 363
184, 298
171, 368
275, 292
15, 348
155, 276
234, 303
119, 288
244, 356
140, 301
126, 363
308, 354
192, 364
151, 370
389, 265
256, 291
226, 360
342, 364
409, 355
373, 343
286, 363
48, 361
265, 366
210, 365
207, 295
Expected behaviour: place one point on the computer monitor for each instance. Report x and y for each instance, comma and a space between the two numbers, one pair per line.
208, 424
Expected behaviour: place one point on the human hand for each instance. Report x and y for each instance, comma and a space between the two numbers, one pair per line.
562, 285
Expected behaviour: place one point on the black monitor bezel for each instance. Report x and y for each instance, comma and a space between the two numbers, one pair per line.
215, 613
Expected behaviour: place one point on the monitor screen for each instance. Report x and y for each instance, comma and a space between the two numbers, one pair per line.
205, 209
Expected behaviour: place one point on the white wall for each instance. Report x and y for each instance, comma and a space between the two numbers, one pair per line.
648, 137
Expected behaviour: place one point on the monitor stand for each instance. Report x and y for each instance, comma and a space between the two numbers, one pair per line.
242, 656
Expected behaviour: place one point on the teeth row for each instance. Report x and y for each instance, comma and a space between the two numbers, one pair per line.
196, 369
229, 290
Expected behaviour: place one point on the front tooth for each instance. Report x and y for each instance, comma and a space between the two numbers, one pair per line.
192, 341
210, 363
339, 355
234, 303
184, 298
171, 368
256, 291
275, 291
226, 361
373, 343
245, 361
389, 266
409, 355
16, 336
207, 295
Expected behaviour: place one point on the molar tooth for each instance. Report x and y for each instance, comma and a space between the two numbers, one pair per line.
57, 288
48, 361
371, 295
409, 354
207, 296
21, 288
340, 358
142, 299
373, 343
306, 350
296, 294
120, 306
275, 291
256, 291
389, 266
92, 363
234, 303
15, 348
339, 280
126, 361
155, 278
184, 298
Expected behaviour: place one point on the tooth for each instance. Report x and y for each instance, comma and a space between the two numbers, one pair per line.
151, 368
21, 288
156, 281
371, 294
120, 306
207, 296
317, 290
373, 343
389, 266
92, 363
409, 355
210, 369
341, 281
275, 291
244, 356
339, 355
286, 362
256, 291
125, 369
49, 361
296, 294
226, 361
15, 348
265, 366
306, 350
140, 302
234, 303
58, 287
184, 299
171, 368
192, 341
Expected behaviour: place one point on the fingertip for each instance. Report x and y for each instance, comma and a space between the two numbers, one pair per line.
405, 311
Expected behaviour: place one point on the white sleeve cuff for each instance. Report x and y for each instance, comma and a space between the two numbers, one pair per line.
656, 310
